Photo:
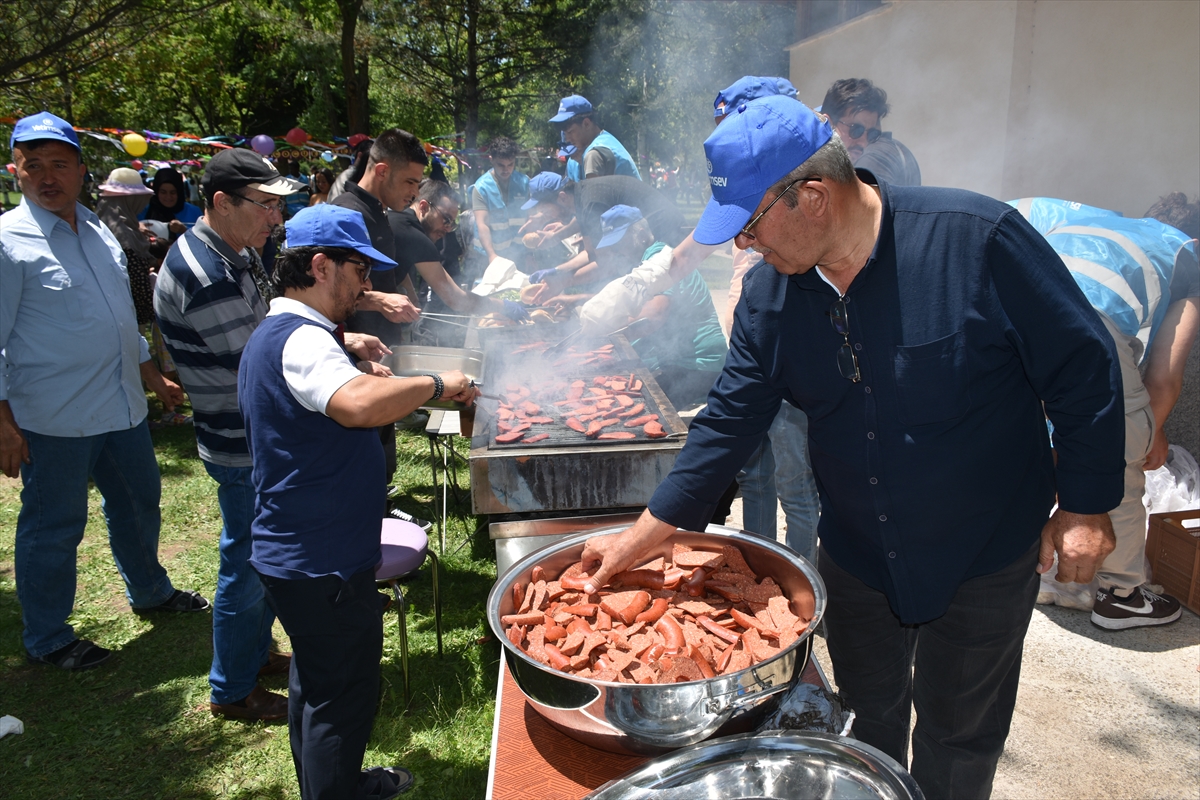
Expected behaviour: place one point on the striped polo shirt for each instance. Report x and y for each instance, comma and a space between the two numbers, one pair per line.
207, 306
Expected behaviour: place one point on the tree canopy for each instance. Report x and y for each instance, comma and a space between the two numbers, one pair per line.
471, 68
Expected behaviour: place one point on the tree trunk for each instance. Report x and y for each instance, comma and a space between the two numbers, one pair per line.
354, 70
471, 88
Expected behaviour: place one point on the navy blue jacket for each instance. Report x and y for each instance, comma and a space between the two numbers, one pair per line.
936, 467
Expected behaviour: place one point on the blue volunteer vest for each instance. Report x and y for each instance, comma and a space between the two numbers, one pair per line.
319, 486
625, 163
1124, 266
574, 170
504, 219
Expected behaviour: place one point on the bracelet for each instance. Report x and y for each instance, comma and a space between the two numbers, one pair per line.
438, 386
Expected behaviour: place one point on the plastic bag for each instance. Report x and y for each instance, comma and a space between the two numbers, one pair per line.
1175, 486
810, 708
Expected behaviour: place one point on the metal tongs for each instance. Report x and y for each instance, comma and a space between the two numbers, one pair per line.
554, 348
445, 319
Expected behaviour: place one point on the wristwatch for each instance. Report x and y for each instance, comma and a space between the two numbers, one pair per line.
438, 386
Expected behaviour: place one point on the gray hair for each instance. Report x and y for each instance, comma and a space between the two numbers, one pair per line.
830, 163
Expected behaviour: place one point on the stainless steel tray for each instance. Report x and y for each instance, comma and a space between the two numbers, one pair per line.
413, 360
767, 765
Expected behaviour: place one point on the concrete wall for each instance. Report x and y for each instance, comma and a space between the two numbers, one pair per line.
1091, 100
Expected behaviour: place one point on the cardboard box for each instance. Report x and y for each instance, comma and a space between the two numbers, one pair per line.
1174, 554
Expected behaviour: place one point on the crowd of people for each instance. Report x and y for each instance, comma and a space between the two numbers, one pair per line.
885, 370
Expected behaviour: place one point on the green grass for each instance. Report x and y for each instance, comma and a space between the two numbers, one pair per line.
139, 726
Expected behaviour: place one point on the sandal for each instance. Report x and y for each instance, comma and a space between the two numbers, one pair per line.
181, 600
79, 654
384, 783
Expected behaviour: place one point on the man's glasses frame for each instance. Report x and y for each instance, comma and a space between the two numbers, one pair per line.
365, 265
745, 231
450, 222
277, 206
857, 129
846, 360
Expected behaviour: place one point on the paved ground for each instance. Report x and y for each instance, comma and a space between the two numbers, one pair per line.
1100, 714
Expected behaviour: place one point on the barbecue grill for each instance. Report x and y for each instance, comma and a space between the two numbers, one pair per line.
566, 471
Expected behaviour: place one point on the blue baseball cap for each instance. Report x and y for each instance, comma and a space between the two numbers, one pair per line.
614, 223
749, 88
760, 142
573, 105
544, 188
43, 125
327, 225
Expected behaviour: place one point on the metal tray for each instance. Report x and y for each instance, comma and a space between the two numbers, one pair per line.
411, 361
767, 765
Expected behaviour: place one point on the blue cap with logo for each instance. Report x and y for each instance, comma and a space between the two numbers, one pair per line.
753, 149
544, 188
571, 106
328, 225
43, 125
614, 223
749, 88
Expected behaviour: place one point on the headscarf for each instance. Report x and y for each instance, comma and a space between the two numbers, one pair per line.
120, 214
157, 210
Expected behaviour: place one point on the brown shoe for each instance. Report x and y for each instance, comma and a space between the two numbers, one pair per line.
277, 664
259, 706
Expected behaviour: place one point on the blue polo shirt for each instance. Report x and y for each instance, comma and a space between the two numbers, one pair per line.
935, 467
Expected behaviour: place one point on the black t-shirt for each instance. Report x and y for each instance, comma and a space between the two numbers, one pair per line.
594, 196
1185, 281
413, 245
382, 280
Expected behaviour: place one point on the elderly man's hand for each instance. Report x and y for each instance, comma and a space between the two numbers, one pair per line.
551, 286
1082, 541
605, 556
366, 346
14, 449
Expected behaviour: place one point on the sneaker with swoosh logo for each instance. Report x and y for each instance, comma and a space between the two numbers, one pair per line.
1142, 608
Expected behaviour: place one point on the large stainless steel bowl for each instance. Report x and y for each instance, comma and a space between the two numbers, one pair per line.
765, 766
652, 719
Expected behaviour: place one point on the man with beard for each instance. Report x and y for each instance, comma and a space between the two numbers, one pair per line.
318, 472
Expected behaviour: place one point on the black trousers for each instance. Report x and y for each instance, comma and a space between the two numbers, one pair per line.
960, 671
336, 628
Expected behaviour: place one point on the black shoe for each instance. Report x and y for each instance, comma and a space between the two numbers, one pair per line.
1142, 608
404, 516
79, 654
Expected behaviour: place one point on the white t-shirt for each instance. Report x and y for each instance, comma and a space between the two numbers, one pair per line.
314, 364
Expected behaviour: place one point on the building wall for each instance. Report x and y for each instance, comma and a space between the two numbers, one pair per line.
1092, 100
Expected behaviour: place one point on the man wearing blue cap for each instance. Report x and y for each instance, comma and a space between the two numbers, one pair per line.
602, 153
72, 406
318, 472
778, 473
926, 333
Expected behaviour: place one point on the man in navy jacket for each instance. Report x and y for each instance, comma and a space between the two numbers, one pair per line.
922, 331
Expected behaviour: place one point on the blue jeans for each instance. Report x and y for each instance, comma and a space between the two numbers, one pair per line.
779, 469
54, 510
960, 671
241, 618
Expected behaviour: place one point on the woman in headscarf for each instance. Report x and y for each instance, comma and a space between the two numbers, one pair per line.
169, 203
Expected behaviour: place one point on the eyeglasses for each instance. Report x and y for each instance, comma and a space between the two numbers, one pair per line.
364, 268
846, 360
276, 206
857, 129
746, 230
450, 222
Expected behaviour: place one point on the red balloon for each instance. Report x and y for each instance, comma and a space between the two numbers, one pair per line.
136, 163
296, 137
12, 168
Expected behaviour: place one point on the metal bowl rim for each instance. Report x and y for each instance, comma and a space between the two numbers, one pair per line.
503, 583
